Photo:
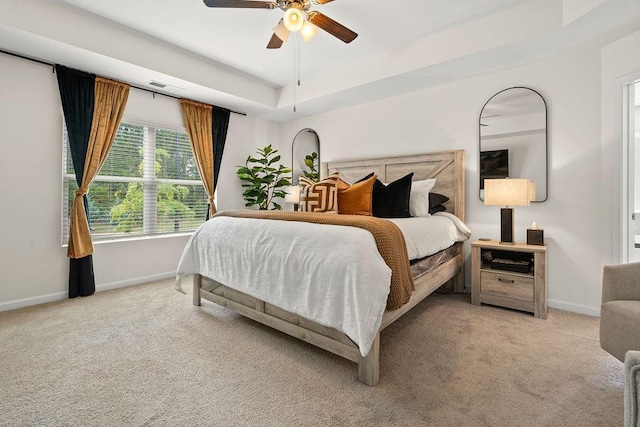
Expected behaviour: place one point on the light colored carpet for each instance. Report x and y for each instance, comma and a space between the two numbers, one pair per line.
143, 355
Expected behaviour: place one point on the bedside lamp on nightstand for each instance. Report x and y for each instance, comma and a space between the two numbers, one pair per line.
293, 196
508, 192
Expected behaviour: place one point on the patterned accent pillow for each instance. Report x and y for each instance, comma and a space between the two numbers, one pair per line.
319, 196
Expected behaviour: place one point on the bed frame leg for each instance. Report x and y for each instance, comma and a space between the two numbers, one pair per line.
369, 366
458, 281
197, 284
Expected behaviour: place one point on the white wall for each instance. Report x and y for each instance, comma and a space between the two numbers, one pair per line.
446, 118
619, 60
33, 263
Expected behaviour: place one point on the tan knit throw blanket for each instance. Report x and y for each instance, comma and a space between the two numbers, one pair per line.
388, 237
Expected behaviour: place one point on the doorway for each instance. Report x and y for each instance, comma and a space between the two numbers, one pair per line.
631, 197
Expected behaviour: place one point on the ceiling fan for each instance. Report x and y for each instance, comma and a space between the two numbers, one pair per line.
297, 17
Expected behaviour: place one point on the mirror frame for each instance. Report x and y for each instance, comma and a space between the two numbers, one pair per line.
546, 138
293, 147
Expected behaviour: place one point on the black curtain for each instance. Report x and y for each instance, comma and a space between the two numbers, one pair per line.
220, 126
77, 90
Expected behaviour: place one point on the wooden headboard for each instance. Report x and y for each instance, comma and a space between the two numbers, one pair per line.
447, 167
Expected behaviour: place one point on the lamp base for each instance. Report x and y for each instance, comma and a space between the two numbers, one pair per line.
506, 226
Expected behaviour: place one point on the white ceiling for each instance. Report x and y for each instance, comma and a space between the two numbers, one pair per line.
238, 37
219, 55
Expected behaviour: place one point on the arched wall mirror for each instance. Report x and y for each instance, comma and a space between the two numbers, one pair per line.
513, 138
305, 144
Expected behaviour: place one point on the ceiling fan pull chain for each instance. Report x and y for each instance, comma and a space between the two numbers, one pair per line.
299, 53
295, 57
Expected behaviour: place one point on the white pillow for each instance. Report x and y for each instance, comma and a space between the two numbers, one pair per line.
419, 197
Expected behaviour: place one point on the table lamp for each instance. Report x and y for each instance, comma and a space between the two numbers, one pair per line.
293, 196
508, 192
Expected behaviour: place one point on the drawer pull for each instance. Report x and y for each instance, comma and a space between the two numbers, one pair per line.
500, 279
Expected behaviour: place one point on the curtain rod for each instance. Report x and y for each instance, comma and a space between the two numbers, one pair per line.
154, 92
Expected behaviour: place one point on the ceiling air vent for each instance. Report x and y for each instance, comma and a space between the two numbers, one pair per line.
157, 84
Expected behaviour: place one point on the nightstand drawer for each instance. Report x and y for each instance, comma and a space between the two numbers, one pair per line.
506, 285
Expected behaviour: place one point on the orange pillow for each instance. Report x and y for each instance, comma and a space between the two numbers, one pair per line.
356, 199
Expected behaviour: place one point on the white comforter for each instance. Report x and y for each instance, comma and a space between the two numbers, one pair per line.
333, 275
427, 235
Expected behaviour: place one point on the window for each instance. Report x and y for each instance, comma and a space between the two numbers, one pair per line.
148, 185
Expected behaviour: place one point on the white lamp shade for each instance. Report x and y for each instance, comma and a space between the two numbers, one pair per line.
308, 31
293, 195
293, 19
507, 192
281, 31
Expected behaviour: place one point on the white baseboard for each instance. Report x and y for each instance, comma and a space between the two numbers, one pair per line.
27, 302
574, 308
136, 281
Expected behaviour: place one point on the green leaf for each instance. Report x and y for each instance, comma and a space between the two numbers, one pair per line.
275, 159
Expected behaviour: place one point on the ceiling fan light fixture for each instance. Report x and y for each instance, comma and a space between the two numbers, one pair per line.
308, 31
293, 19
281, 31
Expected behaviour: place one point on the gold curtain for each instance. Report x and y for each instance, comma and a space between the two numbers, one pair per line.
198, 121
110, 100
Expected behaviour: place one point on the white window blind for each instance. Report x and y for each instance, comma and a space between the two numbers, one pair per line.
148, 185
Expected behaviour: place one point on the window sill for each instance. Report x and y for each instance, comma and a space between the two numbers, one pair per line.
137, 238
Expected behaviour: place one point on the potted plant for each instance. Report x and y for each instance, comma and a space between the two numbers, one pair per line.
310, 161
263, 180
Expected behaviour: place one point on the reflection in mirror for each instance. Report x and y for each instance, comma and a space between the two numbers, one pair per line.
305, 156
513, 138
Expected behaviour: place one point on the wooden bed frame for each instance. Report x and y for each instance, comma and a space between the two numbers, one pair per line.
448, 168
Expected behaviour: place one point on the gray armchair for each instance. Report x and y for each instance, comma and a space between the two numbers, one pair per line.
620, 310
620, 329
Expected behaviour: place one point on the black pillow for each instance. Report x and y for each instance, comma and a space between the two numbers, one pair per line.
439, 208
392, 200
435, 202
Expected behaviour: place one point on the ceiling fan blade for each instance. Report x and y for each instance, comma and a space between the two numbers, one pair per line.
241, 4
275, 42
322, 1
331, 26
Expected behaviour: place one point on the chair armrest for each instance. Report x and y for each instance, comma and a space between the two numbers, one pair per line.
631, 382
621, 282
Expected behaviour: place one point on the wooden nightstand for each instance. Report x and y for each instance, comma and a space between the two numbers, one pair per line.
493, 283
